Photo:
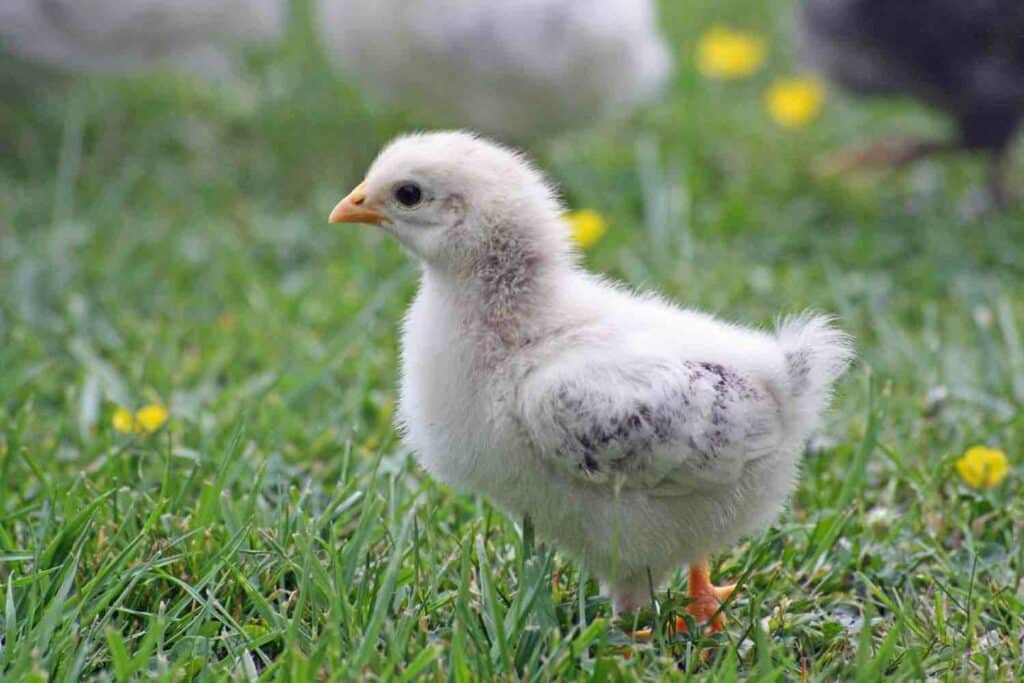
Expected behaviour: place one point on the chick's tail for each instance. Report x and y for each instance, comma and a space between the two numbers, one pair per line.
816, 353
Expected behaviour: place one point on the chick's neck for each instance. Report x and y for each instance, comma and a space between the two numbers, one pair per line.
504, 295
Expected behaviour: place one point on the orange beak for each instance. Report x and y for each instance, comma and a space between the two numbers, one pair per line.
353, 209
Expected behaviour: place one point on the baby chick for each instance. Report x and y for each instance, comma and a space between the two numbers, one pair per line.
127, 35
637, 435
523, 68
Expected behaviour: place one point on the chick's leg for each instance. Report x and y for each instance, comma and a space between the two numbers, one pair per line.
997, 180
706, 598
882, 154
629, 596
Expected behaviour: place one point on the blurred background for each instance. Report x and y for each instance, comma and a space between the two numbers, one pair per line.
166, 170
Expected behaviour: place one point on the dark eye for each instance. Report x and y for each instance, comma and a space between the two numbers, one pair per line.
408, 194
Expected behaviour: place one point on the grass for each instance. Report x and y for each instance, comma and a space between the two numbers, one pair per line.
162, 241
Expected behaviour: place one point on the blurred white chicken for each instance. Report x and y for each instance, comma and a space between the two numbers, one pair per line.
515, 67
125, 35
636, 434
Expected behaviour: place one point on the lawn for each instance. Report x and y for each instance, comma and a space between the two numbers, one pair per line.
165, 242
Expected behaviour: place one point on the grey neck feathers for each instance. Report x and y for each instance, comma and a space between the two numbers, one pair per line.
507, 283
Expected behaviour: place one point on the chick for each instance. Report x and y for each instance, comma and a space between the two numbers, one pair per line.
523, 68
637, 435
125, 35
963, 58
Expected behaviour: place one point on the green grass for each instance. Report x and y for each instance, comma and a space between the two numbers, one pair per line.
162, 241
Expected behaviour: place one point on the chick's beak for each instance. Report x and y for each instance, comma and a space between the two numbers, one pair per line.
354, 209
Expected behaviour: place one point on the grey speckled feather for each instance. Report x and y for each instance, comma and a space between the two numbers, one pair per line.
669, 429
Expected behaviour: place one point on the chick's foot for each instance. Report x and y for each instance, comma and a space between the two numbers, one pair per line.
706, 599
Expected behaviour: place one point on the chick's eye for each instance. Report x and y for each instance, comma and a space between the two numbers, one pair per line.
408, 194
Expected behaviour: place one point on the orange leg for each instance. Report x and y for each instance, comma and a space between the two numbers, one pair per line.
706, 597
886, 153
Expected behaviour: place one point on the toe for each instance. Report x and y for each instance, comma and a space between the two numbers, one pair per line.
723, 592
707, 609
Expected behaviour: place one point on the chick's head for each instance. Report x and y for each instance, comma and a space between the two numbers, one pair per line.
457, 201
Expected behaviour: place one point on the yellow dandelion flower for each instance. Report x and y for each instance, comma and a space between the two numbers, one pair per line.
723, 52
586, 226
146, 420
151, 418
982, 467
123, 420
795, 102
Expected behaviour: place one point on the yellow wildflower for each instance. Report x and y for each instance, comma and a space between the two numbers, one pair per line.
146, 420
795, 102
151, 417
727, 53
586, 226
123, 420
982, 467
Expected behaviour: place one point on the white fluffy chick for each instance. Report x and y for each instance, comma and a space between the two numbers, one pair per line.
519, 68
637, 435
125, 35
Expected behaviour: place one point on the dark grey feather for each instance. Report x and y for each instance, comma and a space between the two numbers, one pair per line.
703, 417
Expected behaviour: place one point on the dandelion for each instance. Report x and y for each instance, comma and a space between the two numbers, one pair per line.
123, 421
586, 226
151, 417
795, 102
982, 467
146, 420
727, 53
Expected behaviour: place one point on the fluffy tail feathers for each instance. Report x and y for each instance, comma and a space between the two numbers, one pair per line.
816, 353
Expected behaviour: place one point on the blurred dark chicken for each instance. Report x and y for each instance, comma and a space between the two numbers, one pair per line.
963, 57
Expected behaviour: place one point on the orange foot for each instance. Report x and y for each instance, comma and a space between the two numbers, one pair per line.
706, 599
